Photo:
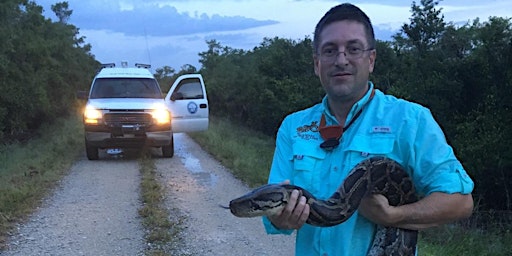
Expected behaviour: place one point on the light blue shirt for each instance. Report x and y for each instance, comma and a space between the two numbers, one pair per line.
401, 130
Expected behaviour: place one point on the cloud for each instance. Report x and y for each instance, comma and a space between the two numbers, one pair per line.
173, 32
152, 19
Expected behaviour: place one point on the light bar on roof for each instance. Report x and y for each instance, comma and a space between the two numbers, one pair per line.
108, 65
142, 65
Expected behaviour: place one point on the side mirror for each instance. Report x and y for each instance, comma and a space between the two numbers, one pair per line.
176, 96
83, 95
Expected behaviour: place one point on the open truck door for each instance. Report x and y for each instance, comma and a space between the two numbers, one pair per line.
188, 103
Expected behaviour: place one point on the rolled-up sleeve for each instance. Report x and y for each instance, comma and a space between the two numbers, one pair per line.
434, 164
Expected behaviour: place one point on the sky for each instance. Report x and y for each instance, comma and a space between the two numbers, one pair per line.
173, 32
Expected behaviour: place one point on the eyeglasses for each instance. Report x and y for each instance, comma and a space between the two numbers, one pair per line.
351, 53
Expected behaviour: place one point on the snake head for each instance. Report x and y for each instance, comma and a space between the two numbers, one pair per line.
263, 201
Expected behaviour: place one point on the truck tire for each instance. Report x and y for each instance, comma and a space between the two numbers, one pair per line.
168, 151
91, 151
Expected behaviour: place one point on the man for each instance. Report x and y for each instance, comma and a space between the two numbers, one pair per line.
373, 124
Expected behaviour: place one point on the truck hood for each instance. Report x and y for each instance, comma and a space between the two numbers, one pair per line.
126, 103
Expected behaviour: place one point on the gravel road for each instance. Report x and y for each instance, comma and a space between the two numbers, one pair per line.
94, 210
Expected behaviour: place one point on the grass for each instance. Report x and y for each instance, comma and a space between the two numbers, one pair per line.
29, 170
245, 152
457, 241
162, 232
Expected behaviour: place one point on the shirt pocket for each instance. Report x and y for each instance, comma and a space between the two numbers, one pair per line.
365, 146
307, 157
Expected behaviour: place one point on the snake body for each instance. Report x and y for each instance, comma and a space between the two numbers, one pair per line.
377, 175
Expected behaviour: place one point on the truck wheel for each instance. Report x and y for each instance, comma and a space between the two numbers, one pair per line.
91, 151
168, 151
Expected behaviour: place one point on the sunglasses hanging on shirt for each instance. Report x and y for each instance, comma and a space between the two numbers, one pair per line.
332, 133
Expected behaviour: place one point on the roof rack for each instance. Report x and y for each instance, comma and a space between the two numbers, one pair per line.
139, 65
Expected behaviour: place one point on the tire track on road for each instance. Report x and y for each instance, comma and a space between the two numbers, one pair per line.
93, 211
196, 185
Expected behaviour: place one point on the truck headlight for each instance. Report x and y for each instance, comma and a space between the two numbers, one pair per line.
161, 115
92, 115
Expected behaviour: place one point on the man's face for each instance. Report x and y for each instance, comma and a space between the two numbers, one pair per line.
344, 76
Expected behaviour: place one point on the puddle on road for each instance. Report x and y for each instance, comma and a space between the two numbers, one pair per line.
192, 164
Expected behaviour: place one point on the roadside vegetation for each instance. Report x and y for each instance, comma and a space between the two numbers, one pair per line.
43, 63
247, 153
30, 169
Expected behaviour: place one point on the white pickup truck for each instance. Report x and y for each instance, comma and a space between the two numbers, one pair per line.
126, 109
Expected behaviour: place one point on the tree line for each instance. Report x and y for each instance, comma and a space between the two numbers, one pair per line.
462, 73
42, 65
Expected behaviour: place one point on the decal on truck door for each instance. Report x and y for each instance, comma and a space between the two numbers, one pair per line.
192, 107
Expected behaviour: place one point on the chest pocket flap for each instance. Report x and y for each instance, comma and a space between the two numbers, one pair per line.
372, 144
364, 146
306, 154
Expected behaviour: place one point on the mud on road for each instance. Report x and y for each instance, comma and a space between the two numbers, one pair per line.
94, 210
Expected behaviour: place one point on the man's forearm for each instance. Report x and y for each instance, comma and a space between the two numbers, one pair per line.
434, 210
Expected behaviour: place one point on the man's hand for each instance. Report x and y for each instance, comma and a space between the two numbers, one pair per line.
294, 215
376, 208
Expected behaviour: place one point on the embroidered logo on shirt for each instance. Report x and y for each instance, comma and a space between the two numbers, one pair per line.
303, 131
306, 128
381, 129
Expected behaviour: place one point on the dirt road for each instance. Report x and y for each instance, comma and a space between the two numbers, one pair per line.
94, 210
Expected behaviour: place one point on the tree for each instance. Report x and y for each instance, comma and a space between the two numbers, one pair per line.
261, 86
163, 72
426, 76
425, 28
42, 64
386, 71
483, 130
62, 11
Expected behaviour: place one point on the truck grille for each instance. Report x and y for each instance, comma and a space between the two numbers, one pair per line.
119, 119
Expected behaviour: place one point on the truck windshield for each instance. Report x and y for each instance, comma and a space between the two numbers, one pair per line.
125, 88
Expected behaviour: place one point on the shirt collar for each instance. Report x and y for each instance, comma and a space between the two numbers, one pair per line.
330, 119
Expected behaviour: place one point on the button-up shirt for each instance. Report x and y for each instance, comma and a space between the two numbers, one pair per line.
401, 130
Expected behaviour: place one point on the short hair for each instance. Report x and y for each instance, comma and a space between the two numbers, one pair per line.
341, 12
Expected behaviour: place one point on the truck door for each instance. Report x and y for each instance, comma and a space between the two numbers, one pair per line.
188, 103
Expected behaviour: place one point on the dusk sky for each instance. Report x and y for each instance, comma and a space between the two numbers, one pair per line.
172, 33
